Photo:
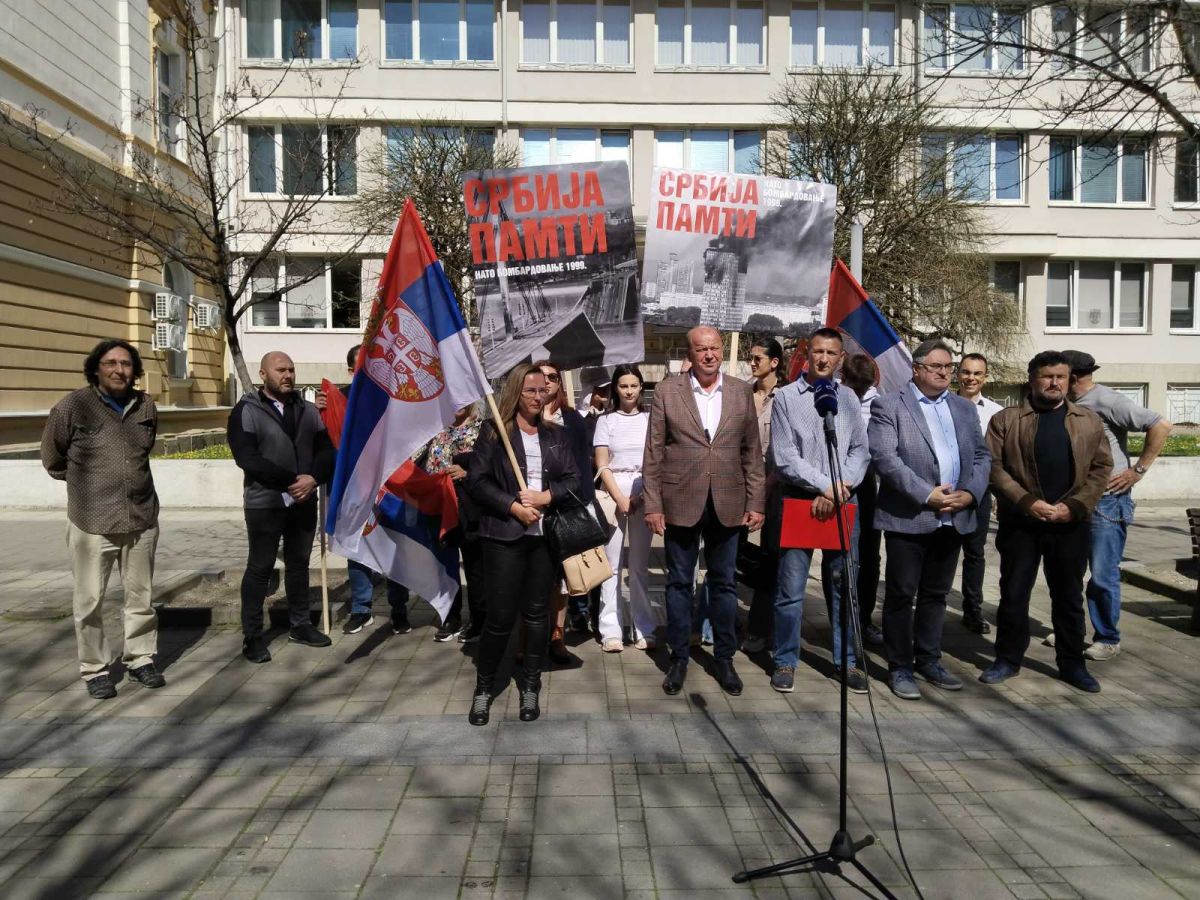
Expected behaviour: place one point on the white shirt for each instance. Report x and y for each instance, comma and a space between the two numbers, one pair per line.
865, 404
533, 471
624, 434
708, 403
986, 409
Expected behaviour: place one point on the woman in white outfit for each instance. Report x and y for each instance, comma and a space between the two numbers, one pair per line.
619, 443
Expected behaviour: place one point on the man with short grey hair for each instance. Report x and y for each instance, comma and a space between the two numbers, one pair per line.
933, 468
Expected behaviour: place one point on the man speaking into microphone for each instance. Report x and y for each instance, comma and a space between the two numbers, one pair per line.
801, 461
933, 469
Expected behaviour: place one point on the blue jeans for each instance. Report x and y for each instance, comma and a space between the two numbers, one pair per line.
789, 600
361, 590
720, 553
1110, 524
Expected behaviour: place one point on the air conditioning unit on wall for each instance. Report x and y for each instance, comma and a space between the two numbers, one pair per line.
168, 307
168, 336
205, 314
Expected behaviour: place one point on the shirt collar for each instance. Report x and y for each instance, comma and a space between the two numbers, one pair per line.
718, 387
921, 398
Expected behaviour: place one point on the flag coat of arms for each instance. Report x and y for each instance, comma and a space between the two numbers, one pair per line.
852, 313
416, 368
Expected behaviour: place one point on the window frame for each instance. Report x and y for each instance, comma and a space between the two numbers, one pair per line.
952, 139
1114, 298
1181, 143
555, 63
950, 39
1194, 328
281, 264
277, 37
730, 146
415, 61
731, 65
1066, 69
327, 164
864, 48
1020, 279
1077, 173
598, 142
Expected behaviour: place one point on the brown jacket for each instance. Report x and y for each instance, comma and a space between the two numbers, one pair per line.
681, 467
1014, 478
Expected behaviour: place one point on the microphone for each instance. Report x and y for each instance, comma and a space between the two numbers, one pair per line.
825, 400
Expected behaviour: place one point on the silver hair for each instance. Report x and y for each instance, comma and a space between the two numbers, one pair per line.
926, 347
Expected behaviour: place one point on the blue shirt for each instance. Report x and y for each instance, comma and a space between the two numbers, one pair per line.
116, 405
945, 440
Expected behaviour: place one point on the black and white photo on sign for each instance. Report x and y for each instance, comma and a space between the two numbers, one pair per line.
738, 252
555, 265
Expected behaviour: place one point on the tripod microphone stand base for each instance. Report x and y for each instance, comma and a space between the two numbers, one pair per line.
844, 849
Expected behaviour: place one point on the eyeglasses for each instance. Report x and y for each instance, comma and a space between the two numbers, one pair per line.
552, 376
116, 364
937, 367
534, 392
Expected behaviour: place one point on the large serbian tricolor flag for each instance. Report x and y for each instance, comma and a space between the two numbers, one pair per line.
415, 370
865, 329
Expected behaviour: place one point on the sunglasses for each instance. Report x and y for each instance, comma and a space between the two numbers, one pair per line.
552, 376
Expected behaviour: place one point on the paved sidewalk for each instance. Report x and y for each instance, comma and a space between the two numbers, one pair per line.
351, 772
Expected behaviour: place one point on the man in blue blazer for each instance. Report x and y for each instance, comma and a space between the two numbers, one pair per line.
933, 466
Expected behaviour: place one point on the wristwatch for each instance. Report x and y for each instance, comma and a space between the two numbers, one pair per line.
1139, 468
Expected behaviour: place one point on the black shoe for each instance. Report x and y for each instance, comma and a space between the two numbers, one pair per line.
481, 705
446, 632
579, 622
255, 650
400, 624
937, 675
673, 683
530, 709
784, 679
872, 635
469, 635
1080, 678
856, 681
309, 636
727, 678
148, 676
101, 688
976, 624
561, 656
357, 622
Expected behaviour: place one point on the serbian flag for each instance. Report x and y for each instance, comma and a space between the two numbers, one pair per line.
866, 330
415, 370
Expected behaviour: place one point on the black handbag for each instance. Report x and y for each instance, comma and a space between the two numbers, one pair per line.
573, 528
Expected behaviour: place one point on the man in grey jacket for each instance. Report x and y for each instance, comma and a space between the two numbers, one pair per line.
280, 443
933, 469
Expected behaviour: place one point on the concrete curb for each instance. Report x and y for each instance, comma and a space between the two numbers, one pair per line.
1176, 588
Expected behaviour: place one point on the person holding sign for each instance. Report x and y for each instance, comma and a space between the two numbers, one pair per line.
703, 477
800, 461
515, 477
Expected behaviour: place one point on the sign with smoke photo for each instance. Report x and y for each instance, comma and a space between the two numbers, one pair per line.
555, 266
739, 252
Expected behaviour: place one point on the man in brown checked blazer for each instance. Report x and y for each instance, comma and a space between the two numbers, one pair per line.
703, 477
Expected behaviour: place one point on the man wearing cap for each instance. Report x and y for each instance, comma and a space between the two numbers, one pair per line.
1114, 512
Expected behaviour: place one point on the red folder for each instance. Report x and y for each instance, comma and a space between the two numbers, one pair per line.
803, 530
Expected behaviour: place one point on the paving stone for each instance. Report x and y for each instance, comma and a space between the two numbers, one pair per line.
364, 792
447, 781
200, 828
575, 780
1117, 883
694, 867
27, 794
565, 856
587, 887
431, 855
575, 815
160, 869
331, 828
385, 887
687, 825
321, 871
679, 790
441, 815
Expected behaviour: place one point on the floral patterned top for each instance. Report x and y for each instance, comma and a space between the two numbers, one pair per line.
446, 445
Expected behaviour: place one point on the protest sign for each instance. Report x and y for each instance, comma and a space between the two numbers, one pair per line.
738, 252
554, 264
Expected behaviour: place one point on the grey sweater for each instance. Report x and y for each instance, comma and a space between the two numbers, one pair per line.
273, 450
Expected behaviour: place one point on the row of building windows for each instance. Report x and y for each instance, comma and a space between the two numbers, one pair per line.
966, 37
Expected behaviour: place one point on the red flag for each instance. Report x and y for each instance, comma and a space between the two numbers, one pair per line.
334, 412
431, 494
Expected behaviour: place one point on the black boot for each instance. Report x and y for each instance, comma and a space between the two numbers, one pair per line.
530, 709
481, 702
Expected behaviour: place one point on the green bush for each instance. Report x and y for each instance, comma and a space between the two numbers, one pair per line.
1177, 445
212, 451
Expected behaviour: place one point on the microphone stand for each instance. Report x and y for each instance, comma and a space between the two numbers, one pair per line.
843, 848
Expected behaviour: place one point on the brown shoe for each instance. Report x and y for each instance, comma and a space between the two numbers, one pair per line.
561, 656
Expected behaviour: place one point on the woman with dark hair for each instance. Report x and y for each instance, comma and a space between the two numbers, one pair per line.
620, 441
520, 567
768, 365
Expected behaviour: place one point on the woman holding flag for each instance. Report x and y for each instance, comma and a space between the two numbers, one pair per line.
521, 568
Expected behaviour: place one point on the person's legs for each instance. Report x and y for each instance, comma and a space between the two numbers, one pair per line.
299, 530
505, 564
792, 578
905, 558
540, 574
937, 578
361, 588
137, 574
973, 549
682, 549
1065, 560
1109, 528
645, 622
720, 558
833, 577
397, 595
869, 540
472, 562
1020, 553
92, 558
610, 623
264, 528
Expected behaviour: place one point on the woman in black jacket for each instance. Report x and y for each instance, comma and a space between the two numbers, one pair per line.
519, 564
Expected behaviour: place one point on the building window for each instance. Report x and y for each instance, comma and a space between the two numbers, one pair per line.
968, 37
986, 168
439, 31
330, 295
1096, 295
170, 84
710, 33
1103, 35
576, 32
1187, 171
1183, 296
301, 29
302, 159
1104, 170
1183, 404
547, 146
1006, 280
400, 142
845, 34
708, 150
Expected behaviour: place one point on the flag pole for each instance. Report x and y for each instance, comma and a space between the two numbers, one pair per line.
503, 432
324, 565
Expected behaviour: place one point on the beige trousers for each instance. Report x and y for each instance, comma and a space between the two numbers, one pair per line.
92, 558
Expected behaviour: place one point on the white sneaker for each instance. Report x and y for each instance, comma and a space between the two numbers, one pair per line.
1049, 640
612, 645
645, 643
1101, 652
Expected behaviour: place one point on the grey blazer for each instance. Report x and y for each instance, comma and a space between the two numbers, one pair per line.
903, 455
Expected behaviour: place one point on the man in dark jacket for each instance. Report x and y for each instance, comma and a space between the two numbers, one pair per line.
280, 443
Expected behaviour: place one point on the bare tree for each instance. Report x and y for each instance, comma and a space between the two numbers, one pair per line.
193, 214
924, 261
426, 161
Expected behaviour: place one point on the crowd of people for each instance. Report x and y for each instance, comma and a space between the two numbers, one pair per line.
714, 460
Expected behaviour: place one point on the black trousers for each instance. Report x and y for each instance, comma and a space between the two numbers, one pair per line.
296, 526
470, 553
520, 574
1062, 552
869, 539
974, 545
920, 567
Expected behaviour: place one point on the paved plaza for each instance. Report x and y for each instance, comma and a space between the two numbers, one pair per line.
351, 772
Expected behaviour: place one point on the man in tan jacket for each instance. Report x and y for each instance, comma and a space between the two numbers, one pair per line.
703, 477
1050, 466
